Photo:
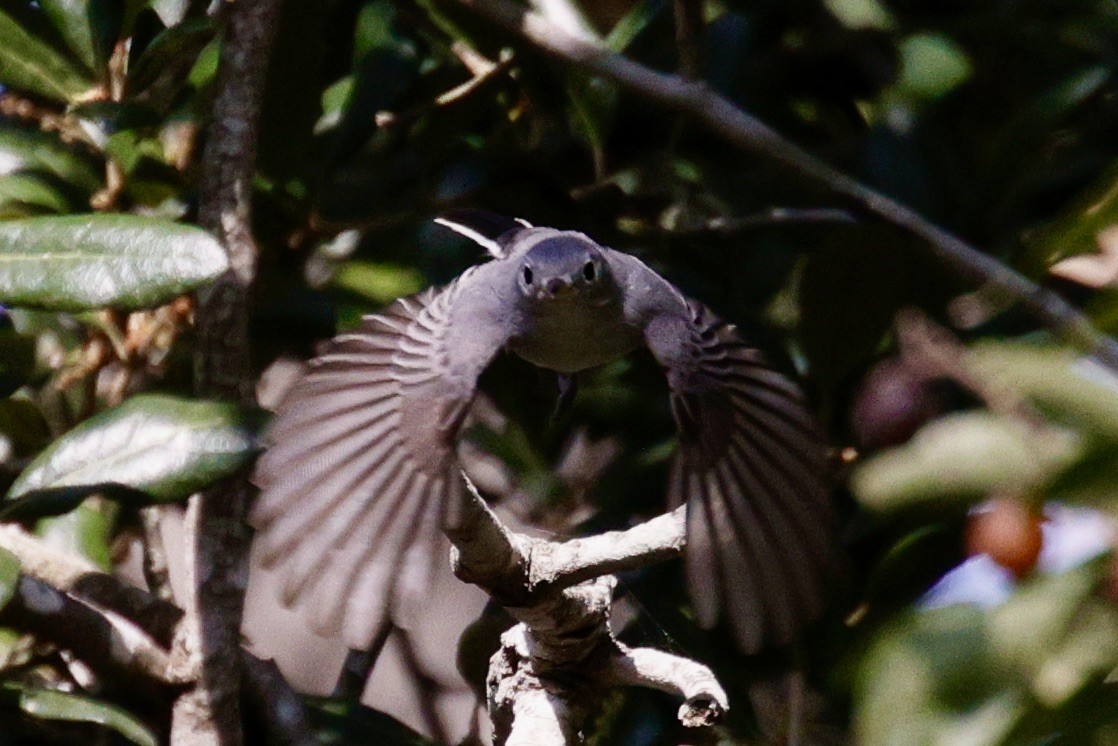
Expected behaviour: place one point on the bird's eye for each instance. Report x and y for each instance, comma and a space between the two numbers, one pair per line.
589, 271
527, 275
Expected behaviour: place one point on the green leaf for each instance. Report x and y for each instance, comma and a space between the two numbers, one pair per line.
79, 262
932, 65
22, 190
9, 576
379, 282
30, 150
632, 24
27, 63
169, 56
1076, 229
163, 446
593, 109
86, 529
1075, 392
51, 704
1058, 633
861, 14
960, 674
73, 21
963, 457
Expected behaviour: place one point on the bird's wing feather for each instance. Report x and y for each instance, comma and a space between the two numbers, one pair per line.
752, 467
362, 472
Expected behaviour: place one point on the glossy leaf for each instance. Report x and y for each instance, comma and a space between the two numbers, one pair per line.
164, 447
80, 262
51, 704
27, 63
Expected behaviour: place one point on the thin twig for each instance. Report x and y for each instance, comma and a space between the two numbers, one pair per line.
731, 226
479, 82
724, 119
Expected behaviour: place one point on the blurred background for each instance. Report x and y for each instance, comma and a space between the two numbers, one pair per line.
979, 456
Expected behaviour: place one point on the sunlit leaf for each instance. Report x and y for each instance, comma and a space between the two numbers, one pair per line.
1077, 392
380, 283
28, 63
78, 262
171, 12
164, 447
962, 457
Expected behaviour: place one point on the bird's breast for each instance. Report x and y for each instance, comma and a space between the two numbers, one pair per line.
571, 338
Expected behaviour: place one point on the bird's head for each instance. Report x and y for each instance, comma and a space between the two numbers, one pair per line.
564, 266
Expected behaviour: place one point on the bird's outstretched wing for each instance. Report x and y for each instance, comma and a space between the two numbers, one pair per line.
753, 469
362, 470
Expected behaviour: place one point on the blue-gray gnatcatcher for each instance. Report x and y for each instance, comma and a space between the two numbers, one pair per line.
363, 473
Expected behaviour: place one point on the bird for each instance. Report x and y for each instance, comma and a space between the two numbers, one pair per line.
362, 474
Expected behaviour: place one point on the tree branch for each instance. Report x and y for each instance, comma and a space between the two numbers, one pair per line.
216, 535
704, 698
145, 629
85, 581
723, 118
563, 564
109, 643
547, 679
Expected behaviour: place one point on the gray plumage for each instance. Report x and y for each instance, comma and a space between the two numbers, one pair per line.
362, 474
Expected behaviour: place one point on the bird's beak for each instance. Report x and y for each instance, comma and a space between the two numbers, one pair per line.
557, 286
